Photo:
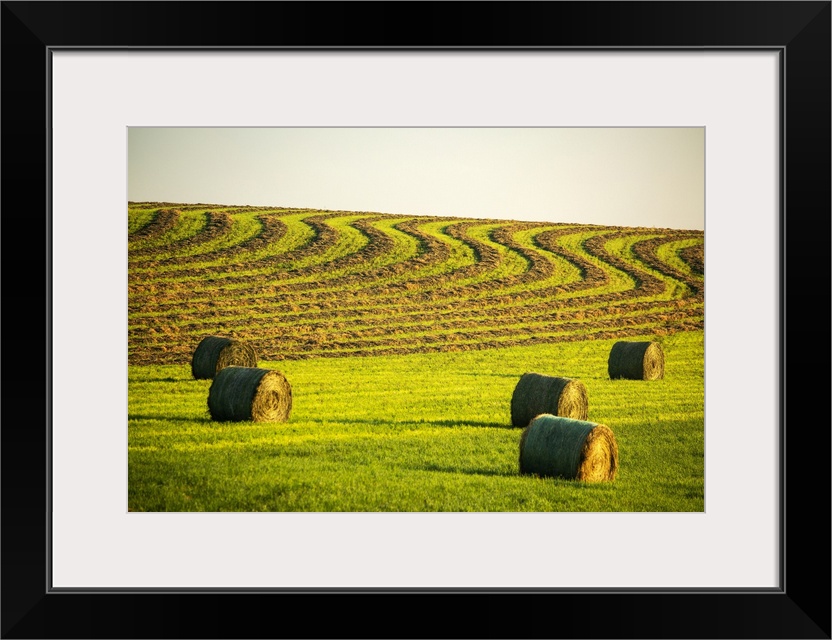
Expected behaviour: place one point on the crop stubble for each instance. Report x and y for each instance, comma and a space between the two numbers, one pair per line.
396, 308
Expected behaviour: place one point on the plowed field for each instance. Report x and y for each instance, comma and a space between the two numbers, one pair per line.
305, 283
403, 338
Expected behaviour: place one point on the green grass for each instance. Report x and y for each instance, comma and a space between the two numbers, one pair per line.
188, 224
669, 253
139, 218
426, 431
415, 433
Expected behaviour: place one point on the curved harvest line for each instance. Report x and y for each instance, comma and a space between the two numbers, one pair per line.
331, 284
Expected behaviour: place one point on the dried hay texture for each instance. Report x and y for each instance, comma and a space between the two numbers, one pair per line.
214, 353
636, 361
552, 446
536, 393
250, 393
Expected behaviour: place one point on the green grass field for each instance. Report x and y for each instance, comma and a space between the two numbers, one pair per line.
425, 432
403, 339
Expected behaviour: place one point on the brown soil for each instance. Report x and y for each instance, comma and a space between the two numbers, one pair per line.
314, 323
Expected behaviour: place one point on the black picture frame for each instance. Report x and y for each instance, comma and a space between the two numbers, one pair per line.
800, 608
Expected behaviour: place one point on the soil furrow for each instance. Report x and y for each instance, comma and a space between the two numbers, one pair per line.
557, 320
695, 258
218, 223
163, 221
424, 289
272, 229
510, 291
181, 349
646, 252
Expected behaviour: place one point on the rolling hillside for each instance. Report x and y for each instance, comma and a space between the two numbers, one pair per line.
301, 283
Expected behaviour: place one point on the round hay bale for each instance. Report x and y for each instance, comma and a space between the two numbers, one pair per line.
536, 393
557, 447
214, 353
636, 361
250, 393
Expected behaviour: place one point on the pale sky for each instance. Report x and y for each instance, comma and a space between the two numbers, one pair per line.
652, 177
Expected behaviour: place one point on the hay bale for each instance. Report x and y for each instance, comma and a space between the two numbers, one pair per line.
552, 446
636, 361
536, 393
250, 393
214, 353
